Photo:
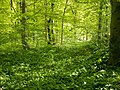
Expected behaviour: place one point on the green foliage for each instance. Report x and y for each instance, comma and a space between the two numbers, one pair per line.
78, 67
80, 63
80, 21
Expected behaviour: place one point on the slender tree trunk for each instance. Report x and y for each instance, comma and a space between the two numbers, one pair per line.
50, 27
75, 32
106, 21
115, 33
34, 24
106, 35
100, 22
86, 34
52, 24
23, 23
11, 5
62, 29
49, 32
12, 9
45, 5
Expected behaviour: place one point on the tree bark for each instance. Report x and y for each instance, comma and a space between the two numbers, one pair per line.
46, 26
115, 33
49, 32
106, 33
23, 23
62, 29
100, 22
50, 26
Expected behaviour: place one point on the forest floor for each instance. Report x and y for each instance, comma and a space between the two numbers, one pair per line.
74, 67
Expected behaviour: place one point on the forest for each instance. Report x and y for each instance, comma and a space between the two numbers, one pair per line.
59, 44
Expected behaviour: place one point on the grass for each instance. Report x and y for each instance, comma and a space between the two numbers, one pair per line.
75, 67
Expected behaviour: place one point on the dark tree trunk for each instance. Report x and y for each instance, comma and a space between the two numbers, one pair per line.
49, 32
50, 25
115, 33
11, 4
23, 23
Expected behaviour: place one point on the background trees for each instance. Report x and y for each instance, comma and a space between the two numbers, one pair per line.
114, 33
63, 45
54, 22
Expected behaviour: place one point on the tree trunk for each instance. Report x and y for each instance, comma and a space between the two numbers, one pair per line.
49, 32
23, 23
50, 26
115, 33
62, 29
100, 22
106, 32
46, 26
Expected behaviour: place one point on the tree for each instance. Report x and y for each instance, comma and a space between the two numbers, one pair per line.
52, 21
50, 25
62, 29
115, 33
100, 21
23, 23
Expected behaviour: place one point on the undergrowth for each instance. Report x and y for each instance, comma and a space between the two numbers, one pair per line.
75, 67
